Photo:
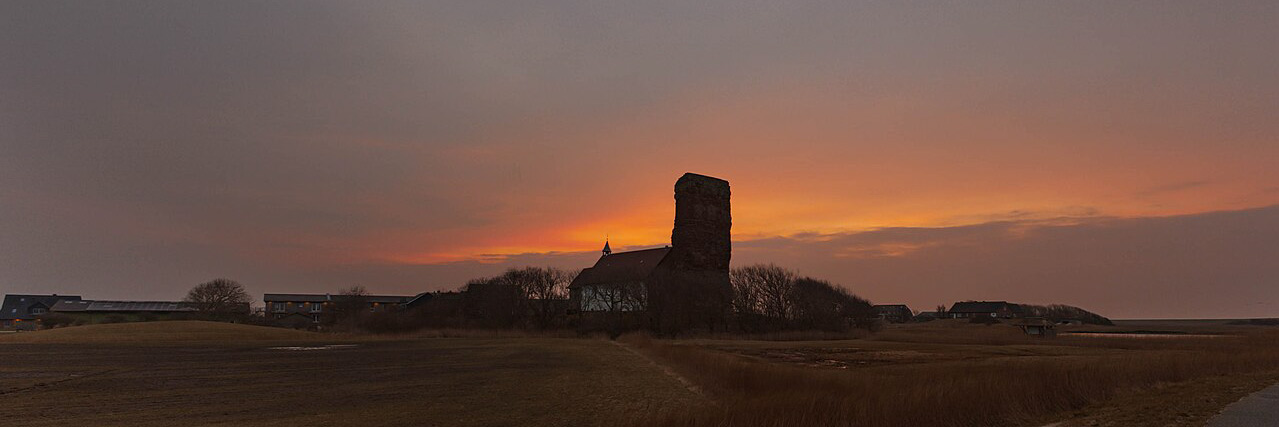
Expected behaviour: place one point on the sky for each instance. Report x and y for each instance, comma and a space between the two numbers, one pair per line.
1116, 156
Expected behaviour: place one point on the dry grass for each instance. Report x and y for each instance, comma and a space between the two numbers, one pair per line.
165, 332
167, 379
975, 376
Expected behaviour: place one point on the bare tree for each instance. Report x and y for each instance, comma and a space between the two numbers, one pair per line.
350, 304
543, 292
818, 304
494, 302
772, 285
219, 297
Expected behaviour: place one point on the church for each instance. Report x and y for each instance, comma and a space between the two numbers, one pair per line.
697, 258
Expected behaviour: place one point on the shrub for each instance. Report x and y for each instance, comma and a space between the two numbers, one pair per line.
983, 320
55, 320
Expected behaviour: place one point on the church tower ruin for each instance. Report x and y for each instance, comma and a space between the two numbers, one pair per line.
701, 239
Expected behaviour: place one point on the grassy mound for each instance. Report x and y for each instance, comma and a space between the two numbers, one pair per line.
162, 332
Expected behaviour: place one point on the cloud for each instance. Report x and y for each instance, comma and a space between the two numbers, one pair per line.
1216, 264
1170, 188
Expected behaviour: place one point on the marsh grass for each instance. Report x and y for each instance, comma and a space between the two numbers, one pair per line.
980, 391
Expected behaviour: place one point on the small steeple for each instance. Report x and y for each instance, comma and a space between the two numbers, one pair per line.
607, 250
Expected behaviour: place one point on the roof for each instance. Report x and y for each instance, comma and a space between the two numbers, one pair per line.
18, 306
981, 306
1035, 321
113, 306
884, 308
381, 299
428, 296
631, 266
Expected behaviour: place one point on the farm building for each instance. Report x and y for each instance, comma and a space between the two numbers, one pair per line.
22, 312
120, 311
696, 262
997, 309
895, 313
319, 307
925, 316
1038, 327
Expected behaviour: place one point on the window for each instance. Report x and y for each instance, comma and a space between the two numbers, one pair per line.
316, 307
315, 318
279, 306
38, 310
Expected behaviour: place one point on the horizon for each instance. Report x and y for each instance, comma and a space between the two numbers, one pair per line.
1096, 155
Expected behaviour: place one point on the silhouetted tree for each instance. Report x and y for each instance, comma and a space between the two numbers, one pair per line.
493, 302
820, 305
220, 298
543, 292
350, 304
762, 293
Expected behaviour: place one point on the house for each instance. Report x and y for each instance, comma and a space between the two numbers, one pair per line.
319, 307
22, 312
425, 299
99, 311
927, 316
895, 313
1037, 326
696, 261
996, 309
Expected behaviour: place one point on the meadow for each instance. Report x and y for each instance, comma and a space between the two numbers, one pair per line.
954, 373
948, 373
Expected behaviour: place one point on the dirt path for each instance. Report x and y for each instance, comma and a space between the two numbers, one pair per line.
1257, 409
669, 372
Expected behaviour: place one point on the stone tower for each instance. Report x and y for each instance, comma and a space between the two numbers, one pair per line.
700, 240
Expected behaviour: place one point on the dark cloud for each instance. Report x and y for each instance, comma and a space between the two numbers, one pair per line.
1205, 265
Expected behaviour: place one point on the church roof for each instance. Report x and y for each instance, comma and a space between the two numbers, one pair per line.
622, 267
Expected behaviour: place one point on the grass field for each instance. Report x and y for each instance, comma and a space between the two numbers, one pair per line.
940, 373
958, 374
154, 374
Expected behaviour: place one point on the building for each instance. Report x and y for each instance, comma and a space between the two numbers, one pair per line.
927, 316
22, 312
320, 307
1037, 326
996, 309
98, 311
895, 313
426, 299
617, 282
696, 262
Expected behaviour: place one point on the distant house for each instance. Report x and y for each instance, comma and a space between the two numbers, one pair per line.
926, 316
319, 307
1037, 326
996, 309
424, 299
617, 281
22, 311
98, 311
895, 313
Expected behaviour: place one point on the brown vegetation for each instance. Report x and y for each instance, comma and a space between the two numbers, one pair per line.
154, 374
970, 382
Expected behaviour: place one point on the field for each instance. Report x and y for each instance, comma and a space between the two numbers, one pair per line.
158, 374
940, 373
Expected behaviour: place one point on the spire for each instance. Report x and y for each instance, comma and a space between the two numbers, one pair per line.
607, 250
